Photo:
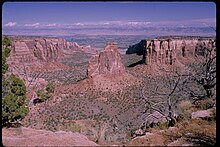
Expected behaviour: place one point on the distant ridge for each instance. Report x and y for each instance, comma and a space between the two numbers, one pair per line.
185, 37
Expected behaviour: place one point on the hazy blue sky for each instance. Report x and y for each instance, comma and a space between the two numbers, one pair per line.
71, 12
107, 17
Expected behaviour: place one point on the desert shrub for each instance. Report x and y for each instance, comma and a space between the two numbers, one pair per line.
43, 94
5, 53
6, 41
47, 93
70, 127
4, 65
14, 102
163, 125
204, 104
213, 113
184, 109
50, 87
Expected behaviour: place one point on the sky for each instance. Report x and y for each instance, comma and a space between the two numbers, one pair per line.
27, 15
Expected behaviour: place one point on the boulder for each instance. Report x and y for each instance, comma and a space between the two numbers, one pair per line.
202, 114
155, 118
139, 132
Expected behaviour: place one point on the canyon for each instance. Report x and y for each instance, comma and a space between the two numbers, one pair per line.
30, 55
100, 94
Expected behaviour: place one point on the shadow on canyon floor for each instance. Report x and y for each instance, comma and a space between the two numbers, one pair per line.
136, 63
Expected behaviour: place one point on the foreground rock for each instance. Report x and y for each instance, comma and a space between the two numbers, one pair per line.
108, 62
202, 114
31, 137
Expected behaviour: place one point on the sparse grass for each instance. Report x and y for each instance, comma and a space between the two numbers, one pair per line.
204, 104
70, 127
213, 114
199, 131
163, 125
185, 109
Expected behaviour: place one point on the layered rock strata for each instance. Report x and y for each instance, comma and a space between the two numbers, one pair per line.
167, 50
39, 49
107, 62
31, 56
34, 53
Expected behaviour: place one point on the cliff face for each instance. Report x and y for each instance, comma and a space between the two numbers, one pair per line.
31, 55
108, 62
41, 49
36, 52
167, 50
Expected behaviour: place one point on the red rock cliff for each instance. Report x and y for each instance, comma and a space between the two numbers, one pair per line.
108, 62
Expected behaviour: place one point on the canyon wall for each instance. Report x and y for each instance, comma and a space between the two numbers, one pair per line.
168, 50
33, 55
35, 52
40, 49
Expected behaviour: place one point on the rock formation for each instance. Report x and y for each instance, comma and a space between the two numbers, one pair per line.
40, 49
33, 55
32, 137
202, 114
108, 62
29, 53
167, 50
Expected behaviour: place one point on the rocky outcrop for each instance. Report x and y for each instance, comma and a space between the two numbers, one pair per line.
30, 53
41, 49
108, 62
31, 56
106, 71
32, 137
168, 50
155, 118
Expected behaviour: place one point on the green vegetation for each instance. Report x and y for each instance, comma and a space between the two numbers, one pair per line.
50, 87
14, 101
47, 93
6, 43
163, 125
214, 113
70, 127
4, 65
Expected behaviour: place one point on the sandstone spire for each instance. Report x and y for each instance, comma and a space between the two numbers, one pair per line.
108, 62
